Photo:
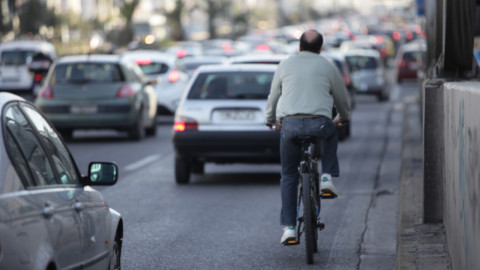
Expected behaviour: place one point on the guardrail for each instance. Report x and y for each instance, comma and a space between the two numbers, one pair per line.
451, 145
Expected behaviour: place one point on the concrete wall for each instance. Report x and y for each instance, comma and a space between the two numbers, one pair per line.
461, 170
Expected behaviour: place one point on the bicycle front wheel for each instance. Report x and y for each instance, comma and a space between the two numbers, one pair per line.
309, 216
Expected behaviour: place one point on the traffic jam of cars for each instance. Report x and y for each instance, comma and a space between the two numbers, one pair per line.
215, 92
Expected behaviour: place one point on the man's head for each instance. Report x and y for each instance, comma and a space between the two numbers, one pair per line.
311, 41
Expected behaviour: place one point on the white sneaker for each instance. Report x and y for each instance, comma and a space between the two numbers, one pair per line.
289, 234
327, 187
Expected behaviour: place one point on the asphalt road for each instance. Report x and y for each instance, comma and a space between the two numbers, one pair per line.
228, 218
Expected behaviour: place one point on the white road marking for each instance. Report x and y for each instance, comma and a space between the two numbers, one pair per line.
142, 162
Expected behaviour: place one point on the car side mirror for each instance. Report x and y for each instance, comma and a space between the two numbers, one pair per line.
102, 173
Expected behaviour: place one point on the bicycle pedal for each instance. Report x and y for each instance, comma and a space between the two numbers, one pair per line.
291, 242
328, 196
321, 226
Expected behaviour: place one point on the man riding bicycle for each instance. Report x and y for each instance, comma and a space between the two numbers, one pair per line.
304, 90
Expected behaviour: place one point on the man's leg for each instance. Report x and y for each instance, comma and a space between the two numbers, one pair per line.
290, 157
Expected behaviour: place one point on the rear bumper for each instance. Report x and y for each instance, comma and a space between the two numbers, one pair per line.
228, 146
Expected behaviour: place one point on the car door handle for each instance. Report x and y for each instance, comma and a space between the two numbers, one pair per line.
78, 206
48, 211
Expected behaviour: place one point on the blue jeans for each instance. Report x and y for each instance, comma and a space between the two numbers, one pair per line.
325, 131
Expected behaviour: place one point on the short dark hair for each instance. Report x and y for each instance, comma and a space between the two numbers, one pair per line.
313, 45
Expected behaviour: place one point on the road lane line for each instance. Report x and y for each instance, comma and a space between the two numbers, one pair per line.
142, 162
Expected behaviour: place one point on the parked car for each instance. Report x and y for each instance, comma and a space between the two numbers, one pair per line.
369, 75
50, 217
221, 119
167, 73
98, 92
15, 59
411, 58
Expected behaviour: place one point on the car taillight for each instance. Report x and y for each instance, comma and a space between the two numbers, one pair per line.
346, 79
125, 91
173, 76
183, 125
46, 92
181, 53
38, 77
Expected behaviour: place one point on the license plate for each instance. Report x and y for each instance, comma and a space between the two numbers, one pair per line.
84, 109
235, 115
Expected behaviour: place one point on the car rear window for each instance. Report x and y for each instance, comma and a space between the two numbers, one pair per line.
17, 57
413, 55
241, 85
359, 62
86, 72
152, 68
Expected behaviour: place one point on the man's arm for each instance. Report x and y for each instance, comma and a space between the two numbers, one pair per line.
275, 92
341, 97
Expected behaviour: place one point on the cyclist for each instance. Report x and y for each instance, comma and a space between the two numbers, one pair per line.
304, 89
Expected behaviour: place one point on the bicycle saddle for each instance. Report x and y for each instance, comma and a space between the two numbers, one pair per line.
304, 139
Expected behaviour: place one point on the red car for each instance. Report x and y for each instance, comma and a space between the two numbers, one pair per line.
410, 58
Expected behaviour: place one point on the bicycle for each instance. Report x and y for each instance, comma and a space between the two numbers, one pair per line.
309, 198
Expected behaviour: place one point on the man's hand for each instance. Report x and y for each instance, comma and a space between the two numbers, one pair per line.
276, 126
339, 122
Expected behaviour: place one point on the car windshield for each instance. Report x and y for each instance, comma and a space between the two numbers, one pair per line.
86, 72
245, 85
20, 57
359, 62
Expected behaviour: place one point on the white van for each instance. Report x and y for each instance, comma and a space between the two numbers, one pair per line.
15, 57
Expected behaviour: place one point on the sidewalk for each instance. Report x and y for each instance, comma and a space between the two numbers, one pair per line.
419, 246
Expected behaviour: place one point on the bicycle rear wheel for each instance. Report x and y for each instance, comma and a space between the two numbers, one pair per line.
309, 216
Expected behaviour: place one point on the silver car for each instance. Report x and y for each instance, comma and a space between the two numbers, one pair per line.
368, 74
169, 77
221, 119
50, 217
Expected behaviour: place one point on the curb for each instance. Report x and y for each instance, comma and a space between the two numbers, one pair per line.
419, 245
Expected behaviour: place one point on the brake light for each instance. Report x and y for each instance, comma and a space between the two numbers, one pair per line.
181, 53
143, 61
125, 91
397, 35
173, 76
38, 77
46, 92
346, 79
183, 125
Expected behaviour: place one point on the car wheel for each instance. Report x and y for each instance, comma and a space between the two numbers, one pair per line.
116, 255
137, 132
152, 130
198, 167
66, 133
182, 170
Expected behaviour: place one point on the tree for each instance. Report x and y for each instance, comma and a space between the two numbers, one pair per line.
33, 14
215, 8
127, 10
174, 19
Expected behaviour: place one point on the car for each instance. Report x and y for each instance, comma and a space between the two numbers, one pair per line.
15, 59
51, 217
338, 59
98, 92
192, 63
273, 59
411, 58
368, 74
168, 74
221, 119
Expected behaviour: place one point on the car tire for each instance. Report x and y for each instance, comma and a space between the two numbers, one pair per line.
152, 130
137, 132
182, 170
198, 167
115, 258
66, 133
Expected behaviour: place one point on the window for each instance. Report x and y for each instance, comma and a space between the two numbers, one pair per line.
25, 150
244, 85
55, 147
